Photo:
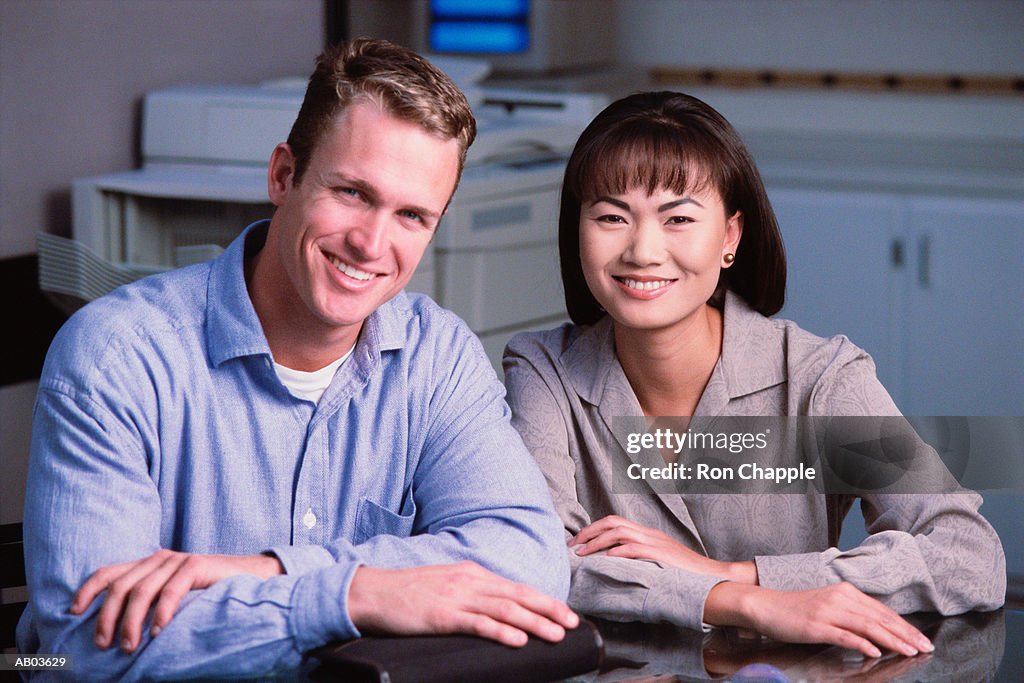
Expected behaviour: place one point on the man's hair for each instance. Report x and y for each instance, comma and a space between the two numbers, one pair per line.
394, 78
669, 140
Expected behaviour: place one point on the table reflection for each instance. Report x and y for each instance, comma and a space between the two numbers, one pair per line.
968, 648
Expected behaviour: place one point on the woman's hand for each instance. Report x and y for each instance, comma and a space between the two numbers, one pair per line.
622, 538
839, 614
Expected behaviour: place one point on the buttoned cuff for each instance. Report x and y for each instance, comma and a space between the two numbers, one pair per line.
319, 611
299, 560
678, 597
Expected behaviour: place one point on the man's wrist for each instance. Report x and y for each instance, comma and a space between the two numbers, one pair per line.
266, 565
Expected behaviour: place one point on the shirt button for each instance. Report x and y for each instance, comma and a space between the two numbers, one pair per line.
309, 519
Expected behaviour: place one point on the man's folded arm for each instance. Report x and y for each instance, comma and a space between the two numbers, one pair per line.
91, 503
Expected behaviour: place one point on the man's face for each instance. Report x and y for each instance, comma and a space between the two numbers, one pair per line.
350, 234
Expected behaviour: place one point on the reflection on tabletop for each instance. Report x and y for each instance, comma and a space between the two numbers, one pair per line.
968, 648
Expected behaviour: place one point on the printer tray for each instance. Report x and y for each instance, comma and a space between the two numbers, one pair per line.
452, 659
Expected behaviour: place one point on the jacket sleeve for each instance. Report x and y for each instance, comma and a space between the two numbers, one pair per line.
925, 551
617, 588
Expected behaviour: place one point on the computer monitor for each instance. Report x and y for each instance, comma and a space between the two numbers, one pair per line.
519, 36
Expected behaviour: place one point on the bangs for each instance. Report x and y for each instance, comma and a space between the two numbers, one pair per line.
644, 154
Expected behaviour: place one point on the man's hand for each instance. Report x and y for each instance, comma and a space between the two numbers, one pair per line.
458, 598
159, 581
623, 538
839, 614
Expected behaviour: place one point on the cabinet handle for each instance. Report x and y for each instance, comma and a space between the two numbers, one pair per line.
924, 265
896, 253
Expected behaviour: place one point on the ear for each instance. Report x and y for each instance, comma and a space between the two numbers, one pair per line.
280, 174
733, 233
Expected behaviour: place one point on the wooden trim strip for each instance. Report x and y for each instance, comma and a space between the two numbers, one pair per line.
837, 80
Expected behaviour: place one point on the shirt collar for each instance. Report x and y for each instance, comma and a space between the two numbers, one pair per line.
232, 327
234, 330
752, 357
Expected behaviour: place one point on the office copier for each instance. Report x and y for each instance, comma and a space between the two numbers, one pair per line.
205, 151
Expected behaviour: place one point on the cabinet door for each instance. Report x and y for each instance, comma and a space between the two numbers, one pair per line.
845, 261
965, 317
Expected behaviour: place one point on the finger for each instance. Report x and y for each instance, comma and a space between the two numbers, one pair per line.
893, 634
887, 628
634, 551
610, 538
511, 613
97, 583
600, 526
485, 627
117, 593
141, 598
174, 591
534, 601
848, 639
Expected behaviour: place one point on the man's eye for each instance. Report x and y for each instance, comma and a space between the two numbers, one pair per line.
412, 215
350, 191
680, 220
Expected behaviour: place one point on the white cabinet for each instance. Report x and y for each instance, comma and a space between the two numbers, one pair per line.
964, 346
931, 286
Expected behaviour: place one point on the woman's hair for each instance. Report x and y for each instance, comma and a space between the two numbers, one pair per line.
673, 141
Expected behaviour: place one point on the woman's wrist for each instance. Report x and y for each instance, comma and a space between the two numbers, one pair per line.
728, 604
741, 572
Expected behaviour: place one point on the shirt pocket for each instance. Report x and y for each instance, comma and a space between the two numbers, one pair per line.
375, 520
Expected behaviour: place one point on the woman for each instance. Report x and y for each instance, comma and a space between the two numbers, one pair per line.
671, 262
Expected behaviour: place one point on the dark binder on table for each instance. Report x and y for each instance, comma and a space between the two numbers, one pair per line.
453, 659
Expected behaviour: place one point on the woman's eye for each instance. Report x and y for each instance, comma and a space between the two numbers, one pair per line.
611, 218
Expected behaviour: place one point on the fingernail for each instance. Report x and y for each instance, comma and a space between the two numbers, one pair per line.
155, 631
875, 652
577, 548
100, 641
909, 650
126, 645
926, 645
573, 620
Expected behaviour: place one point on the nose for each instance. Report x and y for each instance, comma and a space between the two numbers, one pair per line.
646, 245
368, 239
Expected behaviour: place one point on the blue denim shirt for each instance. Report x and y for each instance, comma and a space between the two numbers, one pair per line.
160, 423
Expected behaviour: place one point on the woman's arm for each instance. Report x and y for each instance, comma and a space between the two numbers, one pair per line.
925, 551
617, 588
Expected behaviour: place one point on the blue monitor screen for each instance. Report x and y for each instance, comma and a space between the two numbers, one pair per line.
509, 10
464, 26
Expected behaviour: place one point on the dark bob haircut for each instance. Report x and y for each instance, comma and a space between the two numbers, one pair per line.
673, 141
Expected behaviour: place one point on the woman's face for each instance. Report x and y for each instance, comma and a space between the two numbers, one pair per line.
653, 261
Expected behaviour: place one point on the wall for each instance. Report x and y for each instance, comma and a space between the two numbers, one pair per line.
71, 78
910, 36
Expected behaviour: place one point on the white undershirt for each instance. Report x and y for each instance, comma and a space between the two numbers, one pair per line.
309, 386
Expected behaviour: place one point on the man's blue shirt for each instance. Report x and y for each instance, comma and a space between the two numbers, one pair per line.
161, 423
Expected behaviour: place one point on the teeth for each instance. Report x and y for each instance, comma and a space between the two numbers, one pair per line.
350, 271
636, 284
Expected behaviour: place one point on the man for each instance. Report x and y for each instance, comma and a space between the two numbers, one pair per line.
337, 443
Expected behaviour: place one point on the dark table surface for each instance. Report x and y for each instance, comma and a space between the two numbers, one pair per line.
971, 647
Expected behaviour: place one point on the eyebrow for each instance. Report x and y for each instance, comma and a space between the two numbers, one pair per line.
371, 193
664, 207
